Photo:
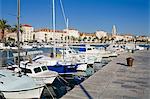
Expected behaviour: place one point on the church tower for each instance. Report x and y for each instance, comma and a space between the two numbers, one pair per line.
114, 30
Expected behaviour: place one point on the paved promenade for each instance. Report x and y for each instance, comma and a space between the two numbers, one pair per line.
117, 81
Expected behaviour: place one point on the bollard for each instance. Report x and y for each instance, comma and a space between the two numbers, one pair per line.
130, 61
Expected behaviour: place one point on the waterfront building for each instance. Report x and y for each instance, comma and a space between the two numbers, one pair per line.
48, 35
12, 35
72, 32
128, 37
68, 35
27, 33
148, 39
101, 34
142, 38
119, 38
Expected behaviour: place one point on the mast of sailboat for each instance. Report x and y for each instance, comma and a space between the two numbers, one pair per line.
67, 26
66, 23
18, 32
54, 27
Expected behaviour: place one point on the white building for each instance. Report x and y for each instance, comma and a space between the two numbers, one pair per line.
27, 33
12, 35
148, 39
128, 37
101, 34
119, 37
47, 35
72, 32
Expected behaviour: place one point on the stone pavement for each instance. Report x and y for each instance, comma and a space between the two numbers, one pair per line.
117, 81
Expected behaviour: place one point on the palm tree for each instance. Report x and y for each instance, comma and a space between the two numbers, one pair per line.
3, 27
84, 39
89, 39
15, 29
80, 39
73, 38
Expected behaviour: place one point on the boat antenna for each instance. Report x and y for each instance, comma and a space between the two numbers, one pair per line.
18, 32
54, 28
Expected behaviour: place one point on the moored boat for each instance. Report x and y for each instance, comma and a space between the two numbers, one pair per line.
14, 85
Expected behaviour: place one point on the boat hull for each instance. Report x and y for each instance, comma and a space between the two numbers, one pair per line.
46, 80
63, 68
23, 94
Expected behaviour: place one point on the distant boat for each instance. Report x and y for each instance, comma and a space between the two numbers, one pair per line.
72, 55
101, 52
85, 63
118, 48
13, 85
89, 53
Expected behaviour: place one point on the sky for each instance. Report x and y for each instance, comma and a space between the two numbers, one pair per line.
129, 16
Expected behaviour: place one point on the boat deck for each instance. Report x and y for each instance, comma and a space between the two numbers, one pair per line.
117, 80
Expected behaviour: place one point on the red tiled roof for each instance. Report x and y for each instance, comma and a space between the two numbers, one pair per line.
26, 25
49, 30
128, 34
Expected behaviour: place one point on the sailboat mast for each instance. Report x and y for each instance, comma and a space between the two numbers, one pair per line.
18, 32
54, 28
67, 26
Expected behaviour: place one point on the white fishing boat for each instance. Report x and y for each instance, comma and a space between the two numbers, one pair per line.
71, 54
56, 64
39, 72
17, 86
101, 52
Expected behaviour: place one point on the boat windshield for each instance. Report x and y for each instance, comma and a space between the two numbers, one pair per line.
25, 70
44, 68
37, 70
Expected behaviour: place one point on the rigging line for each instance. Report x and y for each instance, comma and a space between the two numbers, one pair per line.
63, 12
50, 93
